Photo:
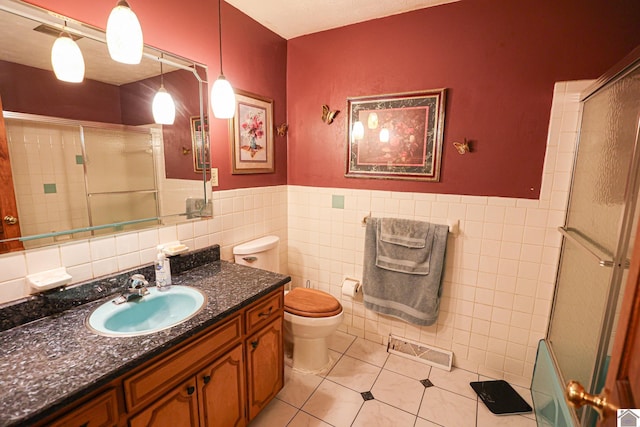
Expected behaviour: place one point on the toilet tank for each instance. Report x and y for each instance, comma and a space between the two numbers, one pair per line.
259, 253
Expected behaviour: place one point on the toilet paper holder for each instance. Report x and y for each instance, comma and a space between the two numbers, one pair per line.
350, 287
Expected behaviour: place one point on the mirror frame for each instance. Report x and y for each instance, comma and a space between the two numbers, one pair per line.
75, 27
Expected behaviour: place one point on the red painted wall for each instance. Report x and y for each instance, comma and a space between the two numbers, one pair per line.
32, 90
136, 110
254, 60
499, 60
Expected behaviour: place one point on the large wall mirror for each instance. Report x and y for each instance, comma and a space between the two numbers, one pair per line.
84, 159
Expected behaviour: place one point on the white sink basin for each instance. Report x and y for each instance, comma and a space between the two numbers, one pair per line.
151, 313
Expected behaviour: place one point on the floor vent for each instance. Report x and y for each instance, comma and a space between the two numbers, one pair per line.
421, 352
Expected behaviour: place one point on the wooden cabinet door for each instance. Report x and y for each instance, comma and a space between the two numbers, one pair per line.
8, 205
265, 366
178, 408
221, 391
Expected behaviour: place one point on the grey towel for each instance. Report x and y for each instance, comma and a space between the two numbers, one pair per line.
410, 297
405, 232
404, 245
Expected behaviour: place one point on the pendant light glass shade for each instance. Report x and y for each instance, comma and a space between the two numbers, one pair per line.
358, 131
124, 35
67, 59
223, 99
164, 109
384, 135
372, 121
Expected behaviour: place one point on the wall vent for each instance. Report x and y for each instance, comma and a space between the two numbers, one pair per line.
424, 353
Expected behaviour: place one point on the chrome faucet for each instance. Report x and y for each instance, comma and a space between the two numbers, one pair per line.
136, 289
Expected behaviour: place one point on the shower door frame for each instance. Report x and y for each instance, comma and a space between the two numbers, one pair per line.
80, 125
619, 260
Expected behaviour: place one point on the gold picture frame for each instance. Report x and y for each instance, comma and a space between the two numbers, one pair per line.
252, 134
396, 136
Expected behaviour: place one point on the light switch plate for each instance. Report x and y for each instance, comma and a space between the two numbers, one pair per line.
214, 177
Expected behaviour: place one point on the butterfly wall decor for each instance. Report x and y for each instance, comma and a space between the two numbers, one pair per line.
328, 115
462, 147
282, 129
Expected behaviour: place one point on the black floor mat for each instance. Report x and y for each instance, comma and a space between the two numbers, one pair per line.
500, 397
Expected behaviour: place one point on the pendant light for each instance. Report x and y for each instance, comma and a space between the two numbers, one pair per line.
164, 109
384, 135
124, 35
67, 59
358, 131
372, 121
223, 100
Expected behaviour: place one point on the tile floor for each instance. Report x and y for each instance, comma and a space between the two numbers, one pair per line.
335, 398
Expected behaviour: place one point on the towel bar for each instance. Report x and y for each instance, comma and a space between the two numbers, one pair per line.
452, 224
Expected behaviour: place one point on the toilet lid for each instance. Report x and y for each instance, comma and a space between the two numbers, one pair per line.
311, 303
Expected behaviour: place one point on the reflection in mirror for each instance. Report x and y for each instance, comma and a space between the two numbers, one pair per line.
86, 159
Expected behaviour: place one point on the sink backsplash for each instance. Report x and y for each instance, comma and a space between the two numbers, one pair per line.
49, 303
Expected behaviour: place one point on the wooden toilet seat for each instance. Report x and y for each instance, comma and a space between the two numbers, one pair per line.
311, 303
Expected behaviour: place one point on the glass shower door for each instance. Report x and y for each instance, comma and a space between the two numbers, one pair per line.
599, 222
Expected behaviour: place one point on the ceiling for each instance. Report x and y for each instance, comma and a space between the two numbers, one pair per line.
293, 18
22, 45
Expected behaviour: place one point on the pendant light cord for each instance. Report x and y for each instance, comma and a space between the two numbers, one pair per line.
161, 74
220, 32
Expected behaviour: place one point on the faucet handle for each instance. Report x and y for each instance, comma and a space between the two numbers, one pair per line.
137, 281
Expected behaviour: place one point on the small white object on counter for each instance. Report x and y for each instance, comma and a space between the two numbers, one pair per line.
173, 248
45, 280
162, 268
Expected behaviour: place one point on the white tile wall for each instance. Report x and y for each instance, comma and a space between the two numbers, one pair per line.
46, 154
258, 212
500, 269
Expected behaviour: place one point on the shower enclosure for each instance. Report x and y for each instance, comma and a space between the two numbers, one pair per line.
80, 176
598, 239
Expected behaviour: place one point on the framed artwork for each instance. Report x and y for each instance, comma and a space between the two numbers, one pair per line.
397, 136
201, 155
252, 134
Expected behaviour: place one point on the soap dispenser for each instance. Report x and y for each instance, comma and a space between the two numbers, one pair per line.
163, 271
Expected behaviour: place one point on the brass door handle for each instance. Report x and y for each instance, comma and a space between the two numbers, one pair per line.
11, 220
577, 397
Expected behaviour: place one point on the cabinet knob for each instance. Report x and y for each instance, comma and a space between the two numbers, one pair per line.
254, 344
206, 379
190, 390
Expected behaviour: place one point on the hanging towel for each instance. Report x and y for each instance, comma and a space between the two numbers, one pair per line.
405, 232
411, 297
404, 245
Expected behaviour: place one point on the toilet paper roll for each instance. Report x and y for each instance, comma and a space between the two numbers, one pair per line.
350, 287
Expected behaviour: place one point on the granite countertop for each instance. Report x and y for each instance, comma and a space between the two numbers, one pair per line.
50, 362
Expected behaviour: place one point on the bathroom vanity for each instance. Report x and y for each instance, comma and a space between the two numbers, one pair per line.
219, 368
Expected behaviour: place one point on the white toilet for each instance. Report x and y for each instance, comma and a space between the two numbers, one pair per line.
259, 253
310, 315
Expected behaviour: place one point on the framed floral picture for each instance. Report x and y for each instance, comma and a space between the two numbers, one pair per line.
252, 134
397, 136
201, 157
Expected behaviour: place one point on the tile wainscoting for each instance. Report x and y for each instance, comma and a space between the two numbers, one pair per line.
239, 216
